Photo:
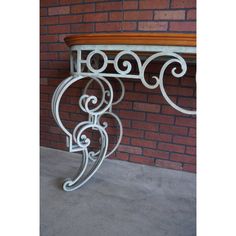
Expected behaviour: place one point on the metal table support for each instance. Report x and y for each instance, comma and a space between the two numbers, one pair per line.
84, 61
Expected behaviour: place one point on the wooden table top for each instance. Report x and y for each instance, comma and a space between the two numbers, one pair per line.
164, 39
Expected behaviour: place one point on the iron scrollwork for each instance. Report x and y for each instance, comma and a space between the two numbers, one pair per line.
77, 141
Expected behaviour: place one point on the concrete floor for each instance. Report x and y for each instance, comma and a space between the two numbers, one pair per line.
122, 199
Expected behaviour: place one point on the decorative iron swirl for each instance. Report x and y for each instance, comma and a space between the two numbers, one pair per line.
176, 75
94, 155
175, 58
82, 177
120, 130
127, 64
86, 99
102, 100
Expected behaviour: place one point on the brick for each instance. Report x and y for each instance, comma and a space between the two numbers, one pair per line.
65, 115
95, 17
169, 164
52, 11
138, 15
54, 82
93, 0
44, 81
150, 4
188, 82
44, 142
129, 26
48, 38
192, 132
187, 122
143, 143
189, 168
82, 28
139, 87
158, 98
49, 20
191, 150
48, 56
43, 29
64, 55
44, 128
112, 130
48, 73
44, 3
55, 137
173, 90
191, 14
70, 19
83, 8
44, 64
43, 11
128, 5
171, 147
170, 129
192, 70
131, 96
138, 106
43, 47
57, 47
169, 15
116, 16
43, 113
124, 105
160, 118
71, 1
187, 102
183, 4
125, 140
144, 125
55, 29
43, 98
158, 136
133, 133
169, 110
182, 158
130, 149
152, 26
132, 115
58, 65
69, 108
155, 153
74, 117
142, 160
184, 140
107, 6
45, 104
108, 27
122, 156
61, 146
170, 80
129, 84
55, 130
186, 26
126, 123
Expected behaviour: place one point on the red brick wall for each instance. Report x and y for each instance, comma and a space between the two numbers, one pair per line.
154, 133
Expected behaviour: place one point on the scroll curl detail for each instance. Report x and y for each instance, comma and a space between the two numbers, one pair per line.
86, 99
127, 64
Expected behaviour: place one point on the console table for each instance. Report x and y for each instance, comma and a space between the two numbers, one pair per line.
90, 56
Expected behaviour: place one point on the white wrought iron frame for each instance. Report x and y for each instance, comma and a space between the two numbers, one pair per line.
84, 63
